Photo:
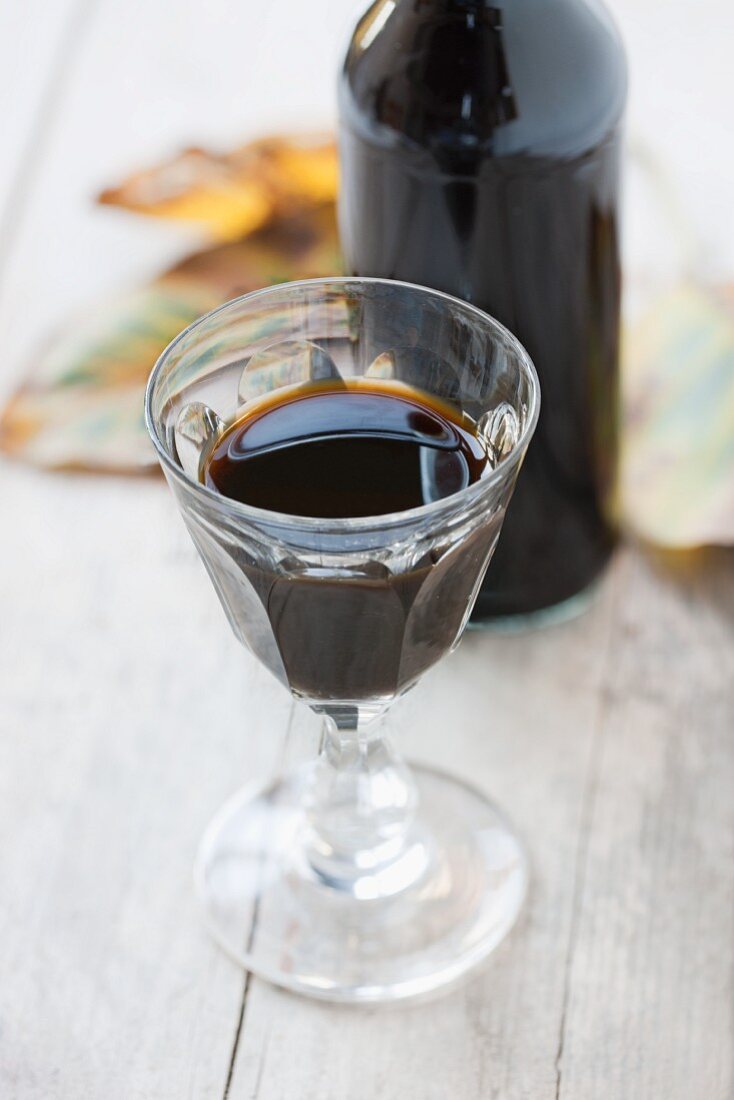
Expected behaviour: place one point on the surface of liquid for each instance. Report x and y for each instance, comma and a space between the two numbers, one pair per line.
345, 451
480, 155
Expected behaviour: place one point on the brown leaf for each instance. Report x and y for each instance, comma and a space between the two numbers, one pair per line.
231, 195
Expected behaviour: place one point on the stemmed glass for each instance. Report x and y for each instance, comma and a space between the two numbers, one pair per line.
354, 878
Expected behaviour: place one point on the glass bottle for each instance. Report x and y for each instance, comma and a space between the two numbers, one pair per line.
480, 155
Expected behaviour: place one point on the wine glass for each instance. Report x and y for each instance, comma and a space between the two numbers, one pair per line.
354, 878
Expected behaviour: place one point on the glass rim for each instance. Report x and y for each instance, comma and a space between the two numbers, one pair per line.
348, 524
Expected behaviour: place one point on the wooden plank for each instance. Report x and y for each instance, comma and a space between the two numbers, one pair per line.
651, 1001
691, 114
611, 739
37, 49
128, 714
517, 716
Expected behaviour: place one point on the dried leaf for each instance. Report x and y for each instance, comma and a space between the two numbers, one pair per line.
677, 471
230, 195
82, 406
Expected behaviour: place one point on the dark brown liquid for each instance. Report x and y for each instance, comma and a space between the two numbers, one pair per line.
480, 155
346, 451
350, 631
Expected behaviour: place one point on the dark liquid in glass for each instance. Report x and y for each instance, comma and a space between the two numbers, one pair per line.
347, 451
480, 156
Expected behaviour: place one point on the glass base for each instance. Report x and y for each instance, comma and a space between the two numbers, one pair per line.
557, 613
413, 922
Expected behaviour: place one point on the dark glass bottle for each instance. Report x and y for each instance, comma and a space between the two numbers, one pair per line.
480, 154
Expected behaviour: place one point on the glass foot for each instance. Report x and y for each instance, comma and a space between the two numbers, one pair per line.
409, 923
566, 611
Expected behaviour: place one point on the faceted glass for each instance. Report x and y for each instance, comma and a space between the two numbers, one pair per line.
354, 878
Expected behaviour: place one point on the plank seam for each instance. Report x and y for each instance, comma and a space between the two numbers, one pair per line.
591, 787
250, 941
261, 1067
241, 1019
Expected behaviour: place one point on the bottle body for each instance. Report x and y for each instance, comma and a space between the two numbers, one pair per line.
473, 162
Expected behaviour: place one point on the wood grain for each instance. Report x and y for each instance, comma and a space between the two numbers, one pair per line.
651, 1008
128, 713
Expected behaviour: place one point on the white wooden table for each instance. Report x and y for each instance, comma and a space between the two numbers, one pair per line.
128, 713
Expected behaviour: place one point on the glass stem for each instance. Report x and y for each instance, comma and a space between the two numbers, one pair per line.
361, 806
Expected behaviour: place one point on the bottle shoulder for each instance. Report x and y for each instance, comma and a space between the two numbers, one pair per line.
530, 77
